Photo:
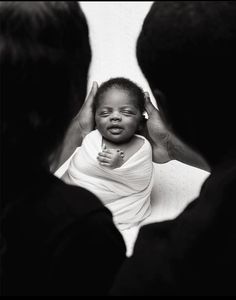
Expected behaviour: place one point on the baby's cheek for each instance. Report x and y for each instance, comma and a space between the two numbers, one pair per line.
101, 124
133, 124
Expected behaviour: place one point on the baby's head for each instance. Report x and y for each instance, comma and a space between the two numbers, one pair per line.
119, 107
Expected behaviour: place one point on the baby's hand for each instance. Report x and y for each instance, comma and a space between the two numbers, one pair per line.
111, 158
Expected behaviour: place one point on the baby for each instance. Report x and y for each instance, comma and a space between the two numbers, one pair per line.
114, 162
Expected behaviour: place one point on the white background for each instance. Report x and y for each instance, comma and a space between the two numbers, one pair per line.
114, 28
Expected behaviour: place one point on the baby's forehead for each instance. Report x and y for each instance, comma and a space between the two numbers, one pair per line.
118, 95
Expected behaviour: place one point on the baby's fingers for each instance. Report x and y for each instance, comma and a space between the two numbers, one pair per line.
105, 154
103, 159
113, 151
107, 151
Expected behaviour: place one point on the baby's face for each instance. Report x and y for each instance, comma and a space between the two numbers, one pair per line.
118, 116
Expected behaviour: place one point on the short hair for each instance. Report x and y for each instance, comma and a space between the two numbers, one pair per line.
123, 84
187, 50
44, 60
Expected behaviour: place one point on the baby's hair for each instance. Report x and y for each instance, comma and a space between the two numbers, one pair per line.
122, 84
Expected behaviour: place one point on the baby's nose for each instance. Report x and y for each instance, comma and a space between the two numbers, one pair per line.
115, 117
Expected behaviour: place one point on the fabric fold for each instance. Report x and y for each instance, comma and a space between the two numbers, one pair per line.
125, 191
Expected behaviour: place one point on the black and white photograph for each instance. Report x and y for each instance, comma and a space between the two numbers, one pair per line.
118, 148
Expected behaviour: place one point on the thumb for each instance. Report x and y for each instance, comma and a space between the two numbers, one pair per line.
149, 107
90, 99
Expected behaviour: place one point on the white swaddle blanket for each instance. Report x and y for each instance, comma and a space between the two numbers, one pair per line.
125, 191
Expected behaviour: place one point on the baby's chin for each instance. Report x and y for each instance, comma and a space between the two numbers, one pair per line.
117, 139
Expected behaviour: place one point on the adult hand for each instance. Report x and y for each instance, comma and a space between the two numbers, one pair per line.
157, 133
85, 118
81, 125
165, 144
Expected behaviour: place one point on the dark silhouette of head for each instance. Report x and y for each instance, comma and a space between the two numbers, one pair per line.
187, 51
44, 60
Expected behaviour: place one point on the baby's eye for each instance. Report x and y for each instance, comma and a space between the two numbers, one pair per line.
127, 112
104, 113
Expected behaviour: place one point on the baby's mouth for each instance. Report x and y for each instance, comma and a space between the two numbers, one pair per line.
115, 130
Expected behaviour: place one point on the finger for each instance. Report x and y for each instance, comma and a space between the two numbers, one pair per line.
149, 107
112, 150
90, 99
108, 151
102, 154
103, 159
104, 147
